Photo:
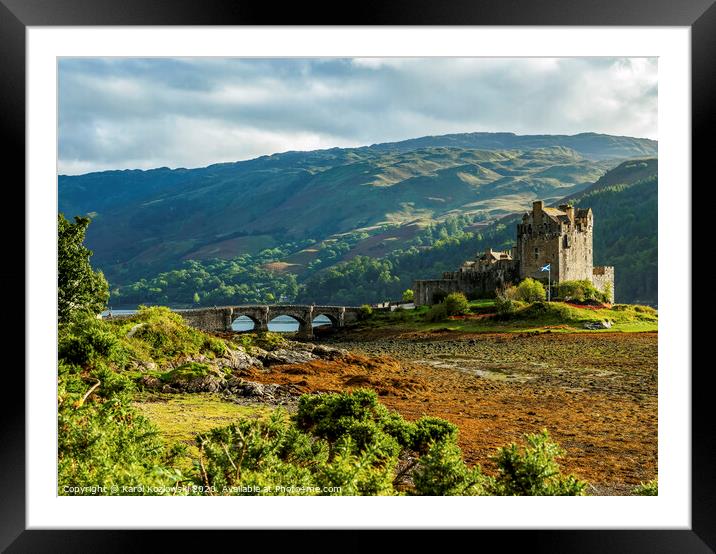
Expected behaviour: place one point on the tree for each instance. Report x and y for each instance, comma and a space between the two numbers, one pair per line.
408, 295
80, 288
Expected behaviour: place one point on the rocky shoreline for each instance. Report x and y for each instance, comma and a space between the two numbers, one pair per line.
227, 374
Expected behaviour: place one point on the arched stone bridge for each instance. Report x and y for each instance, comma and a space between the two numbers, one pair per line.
221, 318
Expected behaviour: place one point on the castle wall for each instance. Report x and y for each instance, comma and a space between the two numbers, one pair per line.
603, 276
473, 284
424, 290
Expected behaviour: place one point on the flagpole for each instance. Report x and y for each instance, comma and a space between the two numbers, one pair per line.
549, 283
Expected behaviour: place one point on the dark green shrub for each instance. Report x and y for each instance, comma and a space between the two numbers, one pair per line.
437, 312
442, 471
506, 307
344, 443
430, 430
103, 443
257, 457
400, 315
331, 416
533, 470
86, 340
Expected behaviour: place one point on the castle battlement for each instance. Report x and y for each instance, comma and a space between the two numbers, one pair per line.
561, 237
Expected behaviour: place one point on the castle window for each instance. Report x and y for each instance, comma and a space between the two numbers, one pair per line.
536, 253
566, 241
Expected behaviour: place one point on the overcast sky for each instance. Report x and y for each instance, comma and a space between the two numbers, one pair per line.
117, 113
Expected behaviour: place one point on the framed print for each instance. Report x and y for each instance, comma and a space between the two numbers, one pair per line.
385, 273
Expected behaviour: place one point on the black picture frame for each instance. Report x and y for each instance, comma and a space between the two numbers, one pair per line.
699, 15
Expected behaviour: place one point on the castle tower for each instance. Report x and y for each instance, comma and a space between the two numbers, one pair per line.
561, 237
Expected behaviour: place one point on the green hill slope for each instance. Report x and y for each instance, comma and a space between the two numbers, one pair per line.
146, 222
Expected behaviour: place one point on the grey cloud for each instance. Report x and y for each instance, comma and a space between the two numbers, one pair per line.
117, 113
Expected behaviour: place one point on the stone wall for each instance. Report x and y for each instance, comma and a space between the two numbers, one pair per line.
603, 275
208, 319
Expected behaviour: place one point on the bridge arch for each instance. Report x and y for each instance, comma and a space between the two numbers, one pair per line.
257, 314
242, 319
302, 314
300, 318
334, 320
278, 319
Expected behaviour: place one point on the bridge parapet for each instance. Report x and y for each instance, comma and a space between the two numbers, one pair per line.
218, 319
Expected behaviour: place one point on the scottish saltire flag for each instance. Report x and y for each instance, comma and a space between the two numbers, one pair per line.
546, 268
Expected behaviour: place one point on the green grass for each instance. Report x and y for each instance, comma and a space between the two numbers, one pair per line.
538, 317
181, 417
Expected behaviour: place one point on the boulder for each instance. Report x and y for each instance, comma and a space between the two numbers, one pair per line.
269, 393
605, 324
329, 353
239, 360
286, 356
207, 383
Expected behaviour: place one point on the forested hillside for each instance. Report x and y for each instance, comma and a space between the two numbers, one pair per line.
359, 224
625, 236
148, 222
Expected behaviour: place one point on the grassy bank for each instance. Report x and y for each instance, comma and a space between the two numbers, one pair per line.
536, 317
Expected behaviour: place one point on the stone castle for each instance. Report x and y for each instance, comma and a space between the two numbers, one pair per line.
560, 236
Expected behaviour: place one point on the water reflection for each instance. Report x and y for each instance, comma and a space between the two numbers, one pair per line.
280, 324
